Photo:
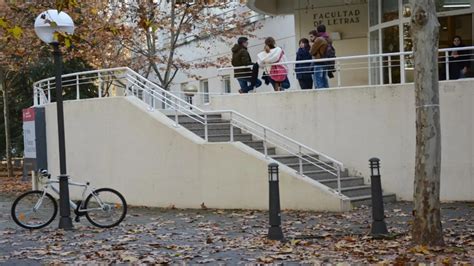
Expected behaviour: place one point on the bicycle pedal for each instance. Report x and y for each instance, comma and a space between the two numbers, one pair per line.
77, 219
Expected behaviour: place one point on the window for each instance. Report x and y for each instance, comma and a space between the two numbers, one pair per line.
184, 85
374, 61
448, 5
389, 10
205, 90
374, 12
391, 64
226, 84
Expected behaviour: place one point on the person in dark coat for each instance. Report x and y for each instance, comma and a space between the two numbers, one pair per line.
241, 57
458, 60
304, 71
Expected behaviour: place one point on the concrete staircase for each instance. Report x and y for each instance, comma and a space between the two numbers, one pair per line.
219, 131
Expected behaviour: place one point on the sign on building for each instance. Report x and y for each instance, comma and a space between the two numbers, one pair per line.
34, 140
29, 136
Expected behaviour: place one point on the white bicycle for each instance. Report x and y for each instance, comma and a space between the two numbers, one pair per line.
104, 207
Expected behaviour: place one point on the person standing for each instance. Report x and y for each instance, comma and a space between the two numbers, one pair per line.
458, 60
278, 74
240, 58
320, 40
304, 71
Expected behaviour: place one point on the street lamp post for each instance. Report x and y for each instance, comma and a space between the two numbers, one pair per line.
46, 25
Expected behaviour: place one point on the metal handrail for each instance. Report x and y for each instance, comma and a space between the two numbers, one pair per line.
134, 82
383, 62
321, 60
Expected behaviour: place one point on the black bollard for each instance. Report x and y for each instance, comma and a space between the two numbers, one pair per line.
379, 228
274, 232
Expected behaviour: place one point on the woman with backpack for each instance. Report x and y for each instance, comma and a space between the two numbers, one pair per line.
278, 74
319, 50
304, 71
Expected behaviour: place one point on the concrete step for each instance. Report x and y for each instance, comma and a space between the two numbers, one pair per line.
288, 159
218, 131
308, 166
256, 144
322, 175
195, 125
356, 191
192, 118
221, 138
345, 182
270, 151
367, 199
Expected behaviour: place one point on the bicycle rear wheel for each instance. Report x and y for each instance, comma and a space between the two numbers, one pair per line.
32, 210
105, 207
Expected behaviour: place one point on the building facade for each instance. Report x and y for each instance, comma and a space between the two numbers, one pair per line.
374, 27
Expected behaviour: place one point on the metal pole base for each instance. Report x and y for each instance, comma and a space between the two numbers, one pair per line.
379, 228
275, 233
65, 223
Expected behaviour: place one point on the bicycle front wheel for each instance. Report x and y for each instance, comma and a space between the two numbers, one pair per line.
105, 207
34, 209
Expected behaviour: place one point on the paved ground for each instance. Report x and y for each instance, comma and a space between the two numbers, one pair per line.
152, 235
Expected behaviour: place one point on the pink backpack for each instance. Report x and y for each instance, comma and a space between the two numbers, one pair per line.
279, 72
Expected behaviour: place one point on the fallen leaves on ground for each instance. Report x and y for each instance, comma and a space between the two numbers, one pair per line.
14, 185
206, 236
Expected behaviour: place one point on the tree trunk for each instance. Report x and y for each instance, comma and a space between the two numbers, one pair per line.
6, 118
427, 228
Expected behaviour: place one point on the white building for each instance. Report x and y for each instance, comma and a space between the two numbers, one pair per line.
217, 150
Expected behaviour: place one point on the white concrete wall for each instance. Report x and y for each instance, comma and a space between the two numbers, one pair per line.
355, 124
116, 142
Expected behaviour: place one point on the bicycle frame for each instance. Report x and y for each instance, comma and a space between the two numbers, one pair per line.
49, 186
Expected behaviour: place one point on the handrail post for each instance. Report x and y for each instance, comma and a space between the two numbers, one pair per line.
231, 129
206, 137
152, 95
150, 102
381, 79
176, 121
135, 89
127, 84
49, 92
338, 72
100, 85
265, 150
390, 69
35, 96
300, 160
402, 69
77, 88
446, 54
339, 179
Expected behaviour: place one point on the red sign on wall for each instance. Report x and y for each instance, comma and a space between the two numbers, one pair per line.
29, 114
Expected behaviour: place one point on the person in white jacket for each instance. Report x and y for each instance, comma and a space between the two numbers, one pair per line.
271, 55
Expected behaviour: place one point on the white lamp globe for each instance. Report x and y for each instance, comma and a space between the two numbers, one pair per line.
190, 90
61, 22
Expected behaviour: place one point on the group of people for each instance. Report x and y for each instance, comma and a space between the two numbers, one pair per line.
275, 71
